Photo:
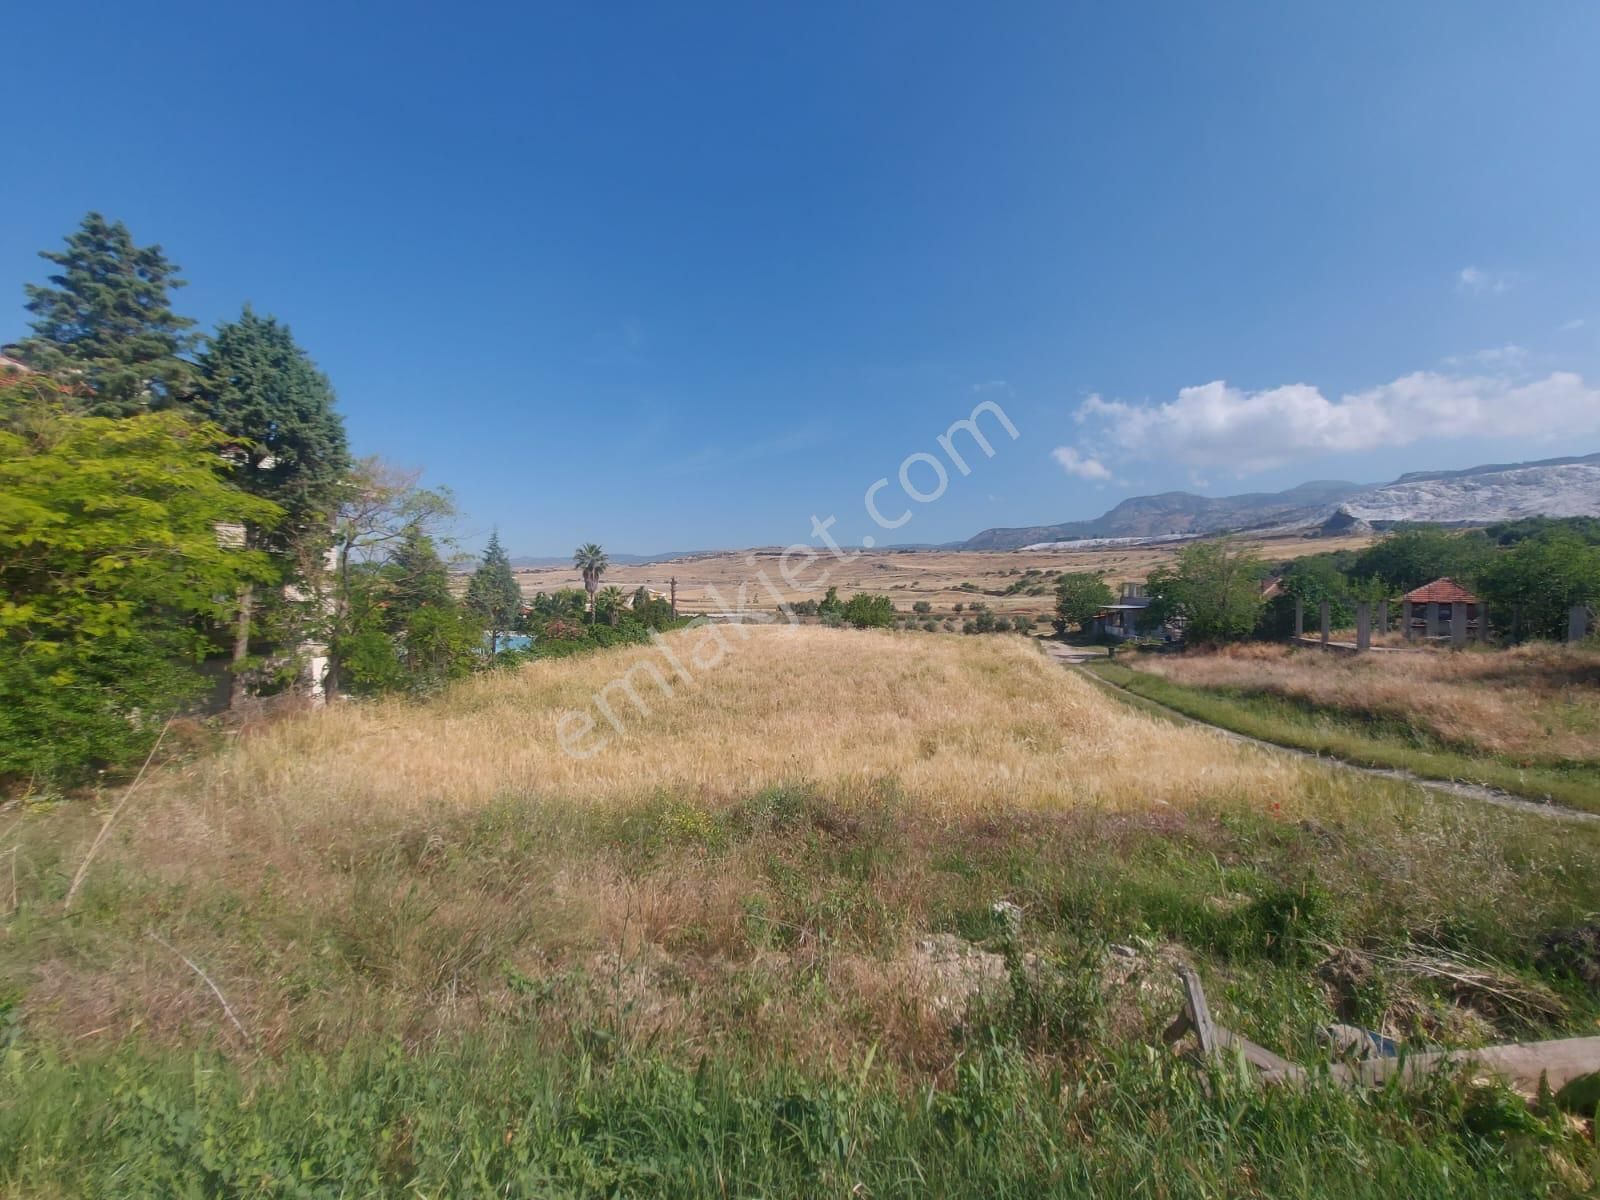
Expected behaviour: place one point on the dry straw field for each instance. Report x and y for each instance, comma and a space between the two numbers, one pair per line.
1538, 702
906, 576
773, 893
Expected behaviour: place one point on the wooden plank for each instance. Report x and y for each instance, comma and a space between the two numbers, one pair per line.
1256, 1056
1520, 1064
1199, 1011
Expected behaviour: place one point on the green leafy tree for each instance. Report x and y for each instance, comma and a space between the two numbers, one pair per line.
378, 507
493, 594
1079, 595
865, 610
830, 604
112, 568
1410, 558
256, 383
591, 561
562, 603
1214, 588
104, 324
1536, 583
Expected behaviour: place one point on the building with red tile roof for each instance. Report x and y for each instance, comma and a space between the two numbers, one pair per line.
1443, 608
1441, 591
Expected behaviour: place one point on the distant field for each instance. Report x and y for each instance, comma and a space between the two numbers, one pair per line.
749, 946
906, 576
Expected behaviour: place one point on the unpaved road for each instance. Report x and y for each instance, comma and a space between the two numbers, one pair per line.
1076, 656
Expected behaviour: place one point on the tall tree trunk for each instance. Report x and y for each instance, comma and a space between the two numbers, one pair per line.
241, 645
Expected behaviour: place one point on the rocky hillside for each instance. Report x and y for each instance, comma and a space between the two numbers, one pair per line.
1558, 487
1171, 513
1555, 488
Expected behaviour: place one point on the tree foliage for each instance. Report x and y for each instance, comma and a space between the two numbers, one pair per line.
259, 385
865, 610
1215, 588
1079, 595
104, 325
112, 566
1537, 582
492, 593
1409, 558
592, 562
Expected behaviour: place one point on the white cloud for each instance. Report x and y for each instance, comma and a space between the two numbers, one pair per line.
1216, 426
1076, 464
1476, 281
1571, 326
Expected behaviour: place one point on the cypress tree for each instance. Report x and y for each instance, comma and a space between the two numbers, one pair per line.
493, 593
104, 325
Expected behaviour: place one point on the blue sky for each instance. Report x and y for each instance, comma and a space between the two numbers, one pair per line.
683, 276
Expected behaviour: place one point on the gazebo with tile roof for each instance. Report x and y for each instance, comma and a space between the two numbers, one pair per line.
1446, 608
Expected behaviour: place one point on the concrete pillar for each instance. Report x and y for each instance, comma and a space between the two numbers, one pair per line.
1327, 621
1299, 617
1405, 620
1577, 624
1363, 626
1458, 625
1383, 616
1430, 620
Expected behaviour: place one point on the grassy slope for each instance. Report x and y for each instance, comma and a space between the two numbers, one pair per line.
1358, 739
689, 965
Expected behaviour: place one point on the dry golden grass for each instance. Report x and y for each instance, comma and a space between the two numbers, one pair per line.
958, 724
760, 860
1537, 701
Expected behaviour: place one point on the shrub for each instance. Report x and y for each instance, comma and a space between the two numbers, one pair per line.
868, 611
922, 606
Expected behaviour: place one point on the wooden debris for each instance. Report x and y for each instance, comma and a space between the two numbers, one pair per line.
1524, 1065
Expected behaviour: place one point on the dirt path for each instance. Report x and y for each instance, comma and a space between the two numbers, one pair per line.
1075, 657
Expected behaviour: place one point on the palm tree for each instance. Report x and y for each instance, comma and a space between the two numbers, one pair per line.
610, 602
592, 561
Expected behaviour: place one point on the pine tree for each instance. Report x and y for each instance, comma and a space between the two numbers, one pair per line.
104, 325
418, 578
261, 387
264, 390
493, 593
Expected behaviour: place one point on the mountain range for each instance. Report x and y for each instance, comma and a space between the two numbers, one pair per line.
1555, 487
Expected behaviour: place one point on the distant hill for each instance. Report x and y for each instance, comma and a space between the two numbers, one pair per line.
1555, 487
1176, 513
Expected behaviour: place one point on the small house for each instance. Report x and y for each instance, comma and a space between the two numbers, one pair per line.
1121, 620
1436, 610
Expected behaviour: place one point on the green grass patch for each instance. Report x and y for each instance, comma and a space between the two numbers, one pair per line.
462, 1118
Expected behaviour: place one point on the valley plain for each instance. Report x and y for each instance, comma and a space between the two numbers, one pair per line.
906, 576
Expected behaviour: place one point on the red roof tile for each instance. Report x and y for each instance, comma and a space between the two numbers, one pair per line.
1441, 591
